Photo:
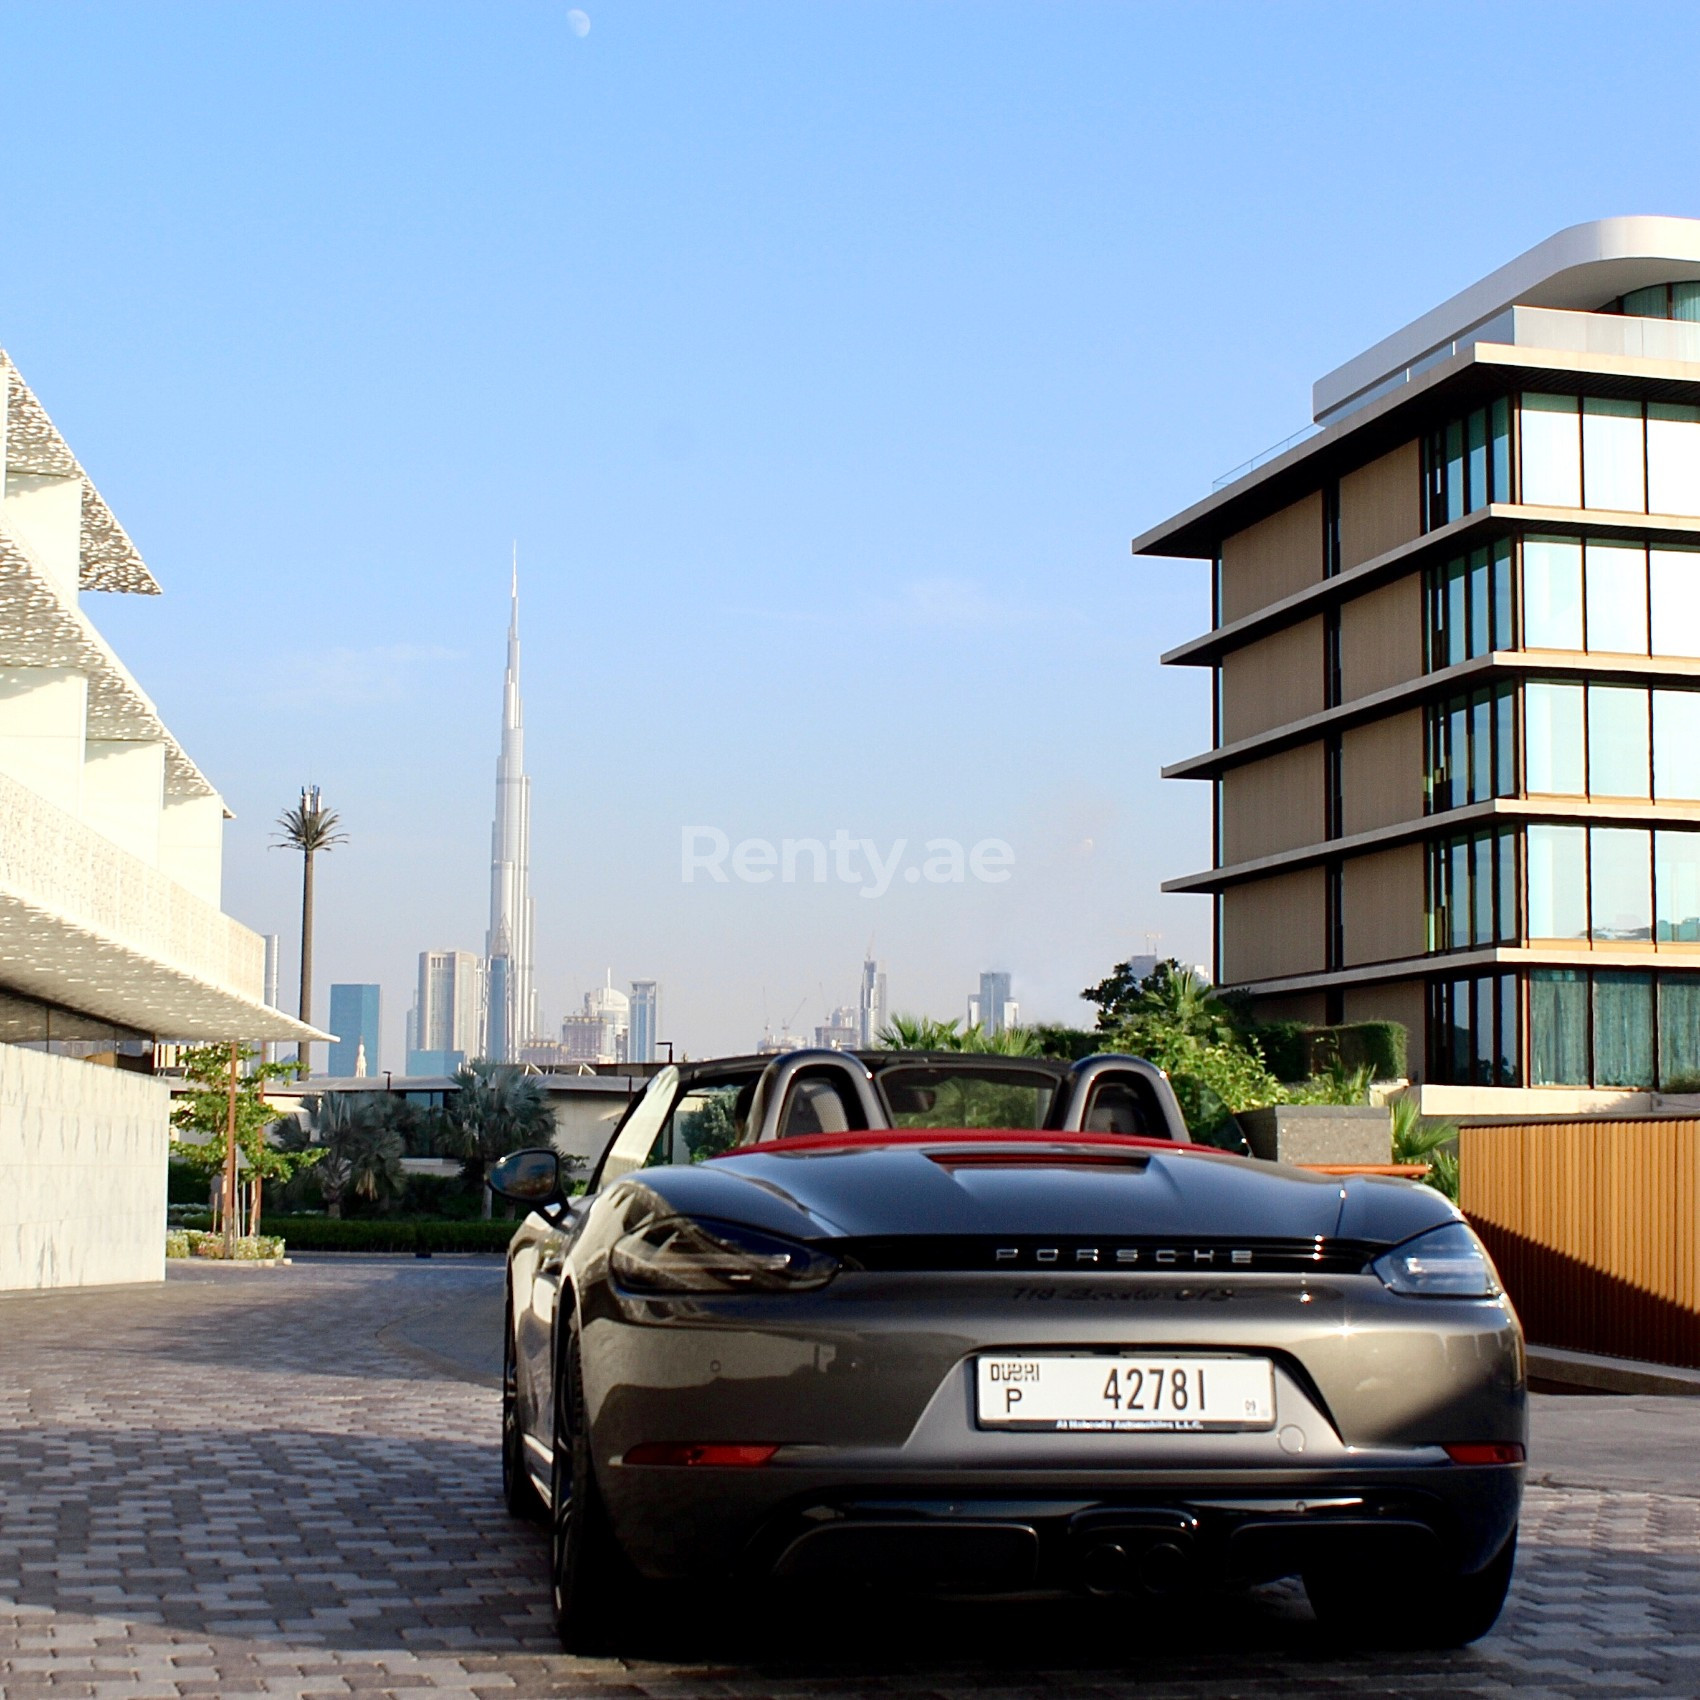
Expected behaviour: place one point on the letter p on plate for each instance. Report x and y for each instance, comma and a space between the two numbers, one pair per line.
1011, 1398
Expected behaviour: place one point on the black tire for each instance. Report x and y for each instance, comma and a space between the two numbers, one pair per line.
519, 1493
595, 1586
1448, 1612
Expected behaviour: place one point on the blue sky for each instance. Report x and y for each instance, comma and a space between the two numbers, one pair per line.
821, 358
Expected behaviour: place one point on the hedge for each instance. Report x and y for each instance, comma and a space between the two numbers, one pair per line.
1378, 1046
189, 1242
328, 1233
1292, 1050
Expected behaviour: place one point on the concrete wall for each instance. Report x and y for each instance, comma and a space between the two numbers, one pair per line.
43, 728
46, 511
191, 844
124, 793
82, 1172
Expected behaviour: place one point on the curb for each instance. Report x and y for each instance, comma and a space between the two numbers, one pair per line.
1611, 1375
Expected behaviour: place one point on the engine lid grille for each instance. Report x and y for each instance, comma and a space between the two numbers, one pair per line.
1103, 1254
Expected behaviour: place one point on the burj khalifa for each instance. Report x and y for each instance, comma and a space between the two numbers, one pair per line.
511, 988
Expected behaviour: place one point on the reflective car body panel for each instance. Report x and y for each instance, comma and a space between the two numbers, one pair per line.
955, 1242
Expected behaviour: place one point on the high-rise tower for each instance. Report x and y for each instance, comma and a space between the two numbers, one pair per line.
512, 1018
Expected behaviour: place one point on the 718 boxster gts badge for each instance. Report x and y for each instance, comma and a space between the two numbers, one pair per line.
938, 1321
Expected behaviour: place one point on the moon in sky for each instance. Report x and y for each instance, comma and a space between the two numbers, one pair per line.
578, 22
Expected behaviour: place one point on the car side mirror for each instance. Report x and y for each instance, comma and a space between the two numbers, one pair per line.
530, 1178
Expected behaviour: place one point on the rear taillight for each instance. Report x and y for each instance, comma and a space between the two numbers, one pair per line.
683, 1453
1486, 1452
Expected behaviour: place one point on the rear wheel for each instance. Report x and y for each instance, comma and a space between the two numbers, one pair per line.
519, 1493
595, 1584
1449, 1612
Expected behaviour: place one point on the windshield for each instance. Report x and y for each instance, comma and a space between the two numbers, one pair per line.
966, 1095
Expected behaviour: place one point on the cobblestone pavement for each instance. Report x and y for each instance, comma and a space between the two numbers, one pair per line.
233, 1486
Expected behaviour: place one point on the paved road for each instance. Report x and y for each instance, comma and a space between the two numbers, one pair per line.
284, 1483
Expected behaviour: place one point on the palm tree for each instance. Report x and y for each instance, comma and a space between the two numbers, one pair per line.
308, 827
928, 1033
497, 1108
360, 1145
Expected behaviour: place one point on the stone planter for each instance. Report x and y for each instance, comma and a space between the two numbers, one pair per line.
1319, 1133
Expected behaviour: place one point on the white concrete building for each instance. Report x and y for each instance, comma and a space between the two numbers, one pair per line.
111, 934
449, 1013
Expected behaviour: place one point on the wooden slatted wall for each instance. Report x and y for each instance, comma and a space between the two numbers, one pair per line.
1595, 1228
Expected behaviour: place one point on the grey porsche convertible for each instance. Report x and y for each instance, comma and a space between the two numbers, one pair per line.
974, 1324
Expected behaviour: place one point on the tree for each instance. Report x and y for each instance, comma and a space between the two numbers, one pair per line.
308, 827
211, 1072
1170, 995
357, 1144
496, 1108
1172, 1018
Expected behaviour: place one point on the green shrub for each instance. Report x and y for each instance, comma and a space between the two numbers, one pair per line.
184, 1184
324, 1233
1294, 1051
1070, 1043
190, 1242
1379, 1046
1286, 1048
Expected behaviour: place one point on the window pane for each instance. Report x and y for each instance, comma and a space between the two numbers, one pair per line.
1437, 896
1673, 458
1502, 638
1617, 741
1455, 469
1612, 473
1459, 1031
1623, 1029
1483, 1035
1510, 1069
1458, 890
1481, 891
1676, 857
1676, 744
1620, 883
1653, 302
1617, 597
1458, 752
1481, 748
1675, 578
1679, 1032
1505, 927
1505, 743
1552, 593
1457, 592
1552, 726
1478, 429
1501, 450
1685, 301
1558, 882
1439, 772
1481, 628
1558, 1027
1552, 459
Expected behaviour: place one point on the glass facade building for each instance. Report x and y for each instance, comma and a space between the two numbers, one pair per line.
1456, 714
355, 1019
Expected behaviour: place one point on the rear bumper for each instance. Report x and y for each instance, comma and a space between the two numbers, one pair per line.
1019, 1534
1133, 1544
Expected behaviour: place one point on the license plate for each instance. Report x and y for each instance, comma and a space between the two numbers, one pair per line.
1124, 1393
